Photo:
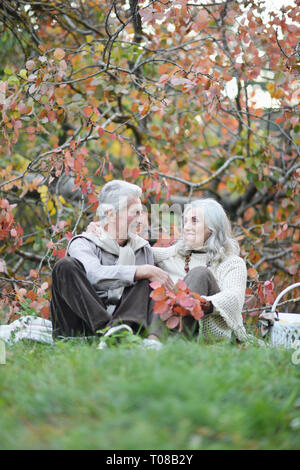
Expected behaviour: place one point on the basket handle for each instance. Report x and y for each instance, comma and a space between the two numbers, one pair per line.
292, 286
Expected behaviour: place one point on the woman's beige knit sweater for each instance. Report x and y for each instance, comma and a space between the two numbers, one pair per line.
231, 276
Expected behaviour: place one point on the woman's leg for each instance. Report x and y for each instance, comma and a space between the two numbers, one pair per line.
202, 281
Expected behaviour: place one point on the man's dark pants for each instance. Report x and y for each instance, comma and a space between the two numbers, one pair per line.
77, 310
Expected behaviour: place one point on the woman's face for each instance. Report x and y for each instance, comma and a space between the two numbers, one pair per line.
195, 232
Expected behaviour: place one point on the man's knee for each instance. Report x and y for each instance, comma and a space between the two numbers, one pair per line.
65, 265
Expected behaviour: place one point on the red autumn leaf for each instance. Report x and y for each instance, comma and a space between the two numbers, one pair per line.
61, 224
92, 198
268, 285
171, 295
180, 81
155, 284
163, 68
160, 307
31, 295
181, 311
51, 116
135, 173
127, 173
185, 301
45, 311
198, 297
87, 111
197, 312
181, 285
159, 294
261, 294
101, 132
172, 322
59, 253
252, 273
69, 235
164, 78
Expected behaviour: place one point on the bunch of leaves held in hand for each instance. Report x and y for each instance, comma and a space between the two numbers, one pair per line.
172, 305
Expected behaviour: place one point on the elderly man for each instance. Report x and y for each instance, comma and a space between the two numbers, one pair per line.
104, 279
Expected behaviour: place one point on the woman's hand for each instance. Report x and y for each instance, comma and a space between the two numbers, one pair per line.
153, 273
207, 307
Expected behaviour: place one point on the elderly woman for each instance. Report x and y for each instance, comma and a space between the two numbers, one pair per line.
207, 259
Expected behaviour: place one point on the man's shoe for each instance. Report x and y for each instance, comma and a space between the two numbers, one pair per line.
115, 331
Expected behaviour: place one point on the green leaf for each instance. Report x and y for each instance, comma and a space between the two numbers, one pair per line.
13, 80
23, 74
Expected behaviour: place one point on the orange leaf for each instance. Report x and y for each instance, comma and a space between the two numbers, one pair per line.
158, 294
252, 273
31, 295
181, 311
87, 111
45, 311
160, 307
59, 53
163, 68
197, 312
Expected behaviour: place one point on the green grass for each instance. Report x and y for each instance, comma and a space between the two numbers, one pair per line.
186, 396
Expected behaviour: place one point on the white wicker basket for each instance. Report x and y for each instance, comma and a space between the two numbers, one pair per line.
286, 330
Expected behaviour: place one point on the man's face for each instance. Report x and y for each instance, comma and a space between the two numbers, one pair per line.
129, 219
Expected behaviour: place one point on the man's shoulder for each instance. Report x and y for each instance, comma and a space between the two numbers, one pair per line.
81, 240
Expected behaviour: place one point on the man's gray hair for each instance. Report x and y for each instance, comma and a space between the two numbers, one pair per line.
221, 241
115, 195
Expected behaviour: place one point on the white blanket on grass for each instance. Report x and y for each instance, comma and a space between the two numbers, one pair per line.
27, 327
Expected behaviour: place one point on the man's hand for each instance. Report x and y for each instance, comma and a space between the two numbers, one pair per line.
152, 273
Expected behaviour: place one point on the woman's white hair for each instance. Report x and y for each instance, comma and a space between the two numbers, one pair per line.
221, 242
115, 196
